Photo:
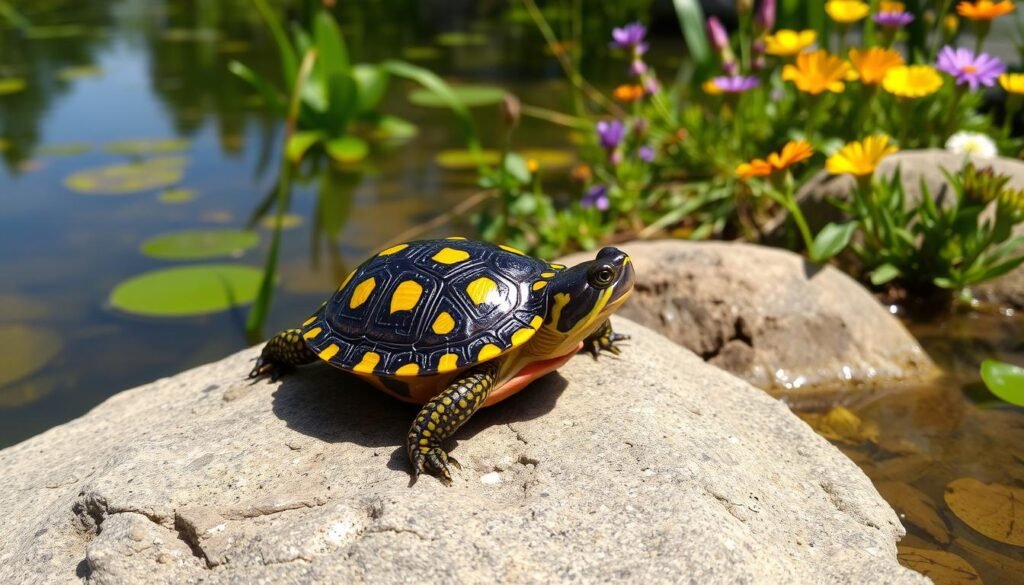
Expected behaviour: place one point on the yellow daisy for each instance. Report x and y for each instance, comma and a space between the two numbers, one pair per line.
1012, 82
914, 81
786, 43
860, 158
847, 11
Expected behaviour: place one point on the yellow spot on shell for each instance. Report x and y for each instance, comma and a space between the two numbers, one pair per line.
329, 352
547, 274
487, 352
513, 250
450, 256
522, 336
362, 292
312, 333
480, 289
539, 284
346, 281
449, 362
455, 238
368, 363
408, 370
558, 266
536, 321
443, 324
308, 321
406, 296
393, 250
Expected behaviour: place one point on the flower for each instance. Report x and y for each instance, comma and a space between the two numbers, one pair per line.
974, 143
892, 15
914, 81
984, 9
637, 67
873, 63
532, 165
846, 11
765, 17
735, 83
596, 196
793, 152
646, 153
631, 37
610, 134
755, 168
817, 72
628, 93
860, 158
969, 69
716, 32
711, 88
786, 43
1012, 82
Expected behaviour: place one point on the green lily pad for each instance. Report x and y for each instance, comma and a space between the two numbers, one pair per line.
288, 221
69, 149
176, 196
79, 72
148, 147
128, 178
187, 290
1004, 380
471, 96
460, 159
199, 244
461, 39
549, 158
421, 53
11, 85
27, 349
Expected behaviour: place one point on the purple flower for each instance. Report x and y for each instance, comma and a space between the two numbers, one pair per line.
652, 85
735, 83
765, 17
637, 67
893, 19
646, 153
596, 196
610, 133
630, 36
719, 38
970, 69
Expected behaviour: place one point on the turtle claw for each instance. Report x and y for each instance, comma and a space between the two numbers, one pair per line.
434, 461
604, 339
268, 368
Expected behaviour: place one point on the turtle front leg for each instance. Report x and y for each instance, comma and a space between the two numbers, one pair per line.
603, 339
284, 351
442, 416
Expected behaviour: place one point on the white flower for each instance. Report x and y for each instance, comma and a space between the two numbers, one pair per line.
972, 143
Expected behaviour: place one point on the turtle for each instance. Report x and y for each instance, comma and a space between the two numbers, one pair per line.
455, 325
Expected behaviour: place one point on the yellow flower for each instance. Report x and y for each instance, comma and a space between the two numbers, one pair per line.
755, 168
793, 152
786, 43
846, 11
817, 72
892, 7
873, 63
628, 93
532, 165
984, 9
711, 88
913, 81
860, 158
951, 24
1012, 82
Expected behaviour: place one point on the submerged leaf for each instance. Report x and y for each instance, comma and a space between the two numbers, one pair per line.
944, 568
841, 424
288, 221
394, 128
199, 244
69, 149
79, 72
187, 290
995, 510
469, 95
27, 349
1004, 380
915, 507
128, 178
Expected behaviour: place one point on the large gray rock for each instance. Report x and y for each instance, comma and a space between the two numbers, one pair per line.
771, 318
652, 467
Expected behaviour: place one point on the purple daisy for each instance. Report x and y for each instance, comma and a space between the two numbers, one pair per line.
898, 19
970, 69
610, 133
596, 196
735, 83
630, 36
646, 153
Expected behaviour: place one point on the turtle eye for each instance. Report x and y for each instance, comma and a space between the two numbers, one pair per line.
601, 276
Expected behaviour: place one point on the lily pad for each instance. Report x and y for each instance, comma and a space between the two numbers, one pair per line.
128, 178
11, 85
4, 145
549, 158
187, 290
79, 72
459, 159
942, 567
1004, 380
470, 95
461, 39
421, 53
27, 349
176, 196
148, 147
395, 128
199, 244
69, 149
288, 221
992, 509
915, 507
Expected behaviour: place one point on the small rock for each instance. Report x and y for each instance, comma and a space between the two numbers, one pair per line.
491, 478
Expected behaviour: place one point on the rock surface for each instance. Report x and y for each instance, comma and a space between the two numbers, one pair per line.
916, 165
771, 318
653, 467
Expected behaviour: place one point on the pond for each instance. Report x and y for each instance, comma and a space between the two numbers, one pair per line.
121, 82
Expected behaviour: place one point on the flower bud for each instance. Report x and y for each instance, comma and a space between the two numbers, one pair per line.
510, 110
716, 32
764, 20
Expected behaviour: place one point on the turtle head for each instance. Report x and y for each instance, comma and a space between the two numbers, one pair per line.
582, 297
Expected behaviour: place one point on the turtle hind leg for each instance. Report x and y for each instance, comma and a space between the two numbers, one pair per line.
442, 416
283, 352
603, 339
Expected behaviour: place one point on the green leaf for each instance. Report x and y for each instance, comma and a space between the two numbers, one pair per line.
461, 39
884, 274
187, 290
691, 20
1004, 380
341, 99
11, 85
431, 81
515, 166
394, 128
470, 96
301, 142
333, 55
347, 149
372, 84
199, 244
831, 240
286, 52
275, 101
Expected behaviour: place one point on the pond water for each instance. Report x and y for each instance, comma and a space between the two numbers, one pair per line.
103, 72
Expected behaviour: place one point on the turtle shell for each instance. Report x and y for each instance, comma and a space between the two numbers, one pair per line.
431, 306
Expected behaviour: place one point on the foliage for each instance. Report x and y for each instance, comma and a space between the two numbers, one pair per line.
1004, 380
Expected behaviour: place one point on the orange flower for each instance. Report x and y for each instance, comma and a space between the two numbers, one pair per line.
754, 168
711, 88
817, 72
873, 63
891, 6
793, 152
984, 9
628, 93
